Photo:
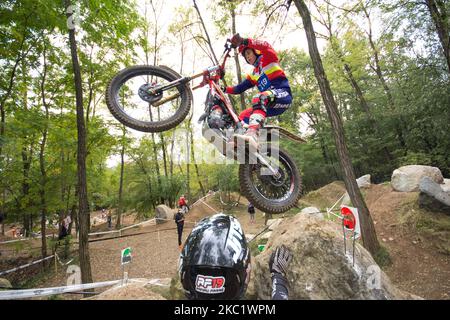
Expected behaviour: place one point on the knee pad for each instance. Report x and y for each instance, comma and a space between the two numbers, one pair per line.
256, 119
261, 100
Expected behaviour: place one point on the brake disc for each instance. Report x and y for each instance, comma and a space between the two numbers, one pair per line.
144, 93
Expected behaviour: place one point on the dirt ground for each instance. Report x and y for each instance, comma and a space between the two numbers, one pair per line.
417, 265
154, 247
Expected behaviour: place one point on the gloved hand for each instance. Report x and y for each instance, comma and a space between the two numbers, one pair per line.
236, 40
279, 260
223, 88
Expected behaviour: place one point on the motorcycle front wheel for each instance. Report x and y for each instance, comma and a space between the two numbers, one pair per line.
129, 99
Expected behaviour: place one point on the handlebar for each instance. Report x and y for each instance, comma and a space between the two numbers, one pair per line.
228, 46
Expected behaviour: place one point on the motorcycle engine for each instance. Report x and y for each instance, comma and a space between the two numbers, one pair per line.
215, 118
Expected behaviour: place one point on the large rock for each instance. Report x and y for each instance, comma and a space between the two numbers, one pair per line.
319, 268
446, 185
129, 291
407, 178
5, 284
266, 235
363, 182
313, 212
273, 223
176, 289
163, 214
432, 196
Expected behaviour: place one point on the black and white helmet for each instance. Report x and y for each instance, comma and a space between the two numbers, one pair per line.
215, 261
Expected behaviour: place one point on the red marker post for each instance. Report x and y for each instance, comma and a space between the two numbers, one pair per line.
350, 221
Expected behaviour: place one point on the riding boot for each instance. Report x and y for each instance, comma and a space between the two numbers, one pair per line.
252, 134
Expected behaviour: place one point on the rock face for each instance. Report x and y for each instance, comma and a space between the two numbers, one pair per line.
163, 213
319, 268
407, 178
432, 196
313, 212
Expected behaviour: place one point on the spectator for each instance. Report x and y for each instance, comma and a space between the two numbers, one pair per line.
251, 211
67, 222
109, 219
182, 204
179, 220
62, 230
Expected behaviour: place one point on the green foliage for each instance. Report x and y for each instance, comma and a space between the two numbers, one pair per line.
400, 71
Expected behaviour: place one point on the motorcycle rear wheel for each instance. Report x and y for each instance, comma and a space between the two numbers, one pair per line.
268, 194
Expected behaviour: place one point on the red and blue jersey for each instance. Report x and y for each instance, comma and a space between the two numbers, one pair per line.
268, 73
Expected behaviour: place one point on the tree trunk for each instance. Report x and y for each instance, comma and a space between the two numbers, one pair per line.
122, 165
163, 147
195, 164
26, 163
188, 160
441, 21
206, 33
172, 145
383, 81
236, 57
86, 273
369, 237
362, 101
155, 153
147, 60
26, 159
8, 92
42, 161
2, 211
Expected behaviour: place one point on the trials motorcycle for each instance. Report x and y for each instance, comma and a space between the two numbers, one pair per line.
156, 98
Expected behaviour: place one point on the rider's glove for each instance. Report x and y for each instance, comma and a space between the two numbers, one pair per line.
223, 88
279, 260
236, 40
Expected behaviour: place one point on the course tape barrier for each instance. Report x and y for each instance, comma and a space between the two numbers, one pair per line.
25, 239
36, 262
125, 228
26, 265
39, 292
115, 231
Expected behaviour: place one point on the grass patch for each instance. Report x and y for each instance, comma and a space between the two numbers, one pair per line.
323, 197
254, 246
382, 257
433, 225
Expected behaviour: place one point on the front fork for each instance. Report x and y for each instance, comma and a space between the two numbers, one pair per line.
181, 81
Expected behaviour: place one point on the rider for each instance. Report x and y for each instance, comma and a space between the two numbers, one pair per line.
274, 95
215, 262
